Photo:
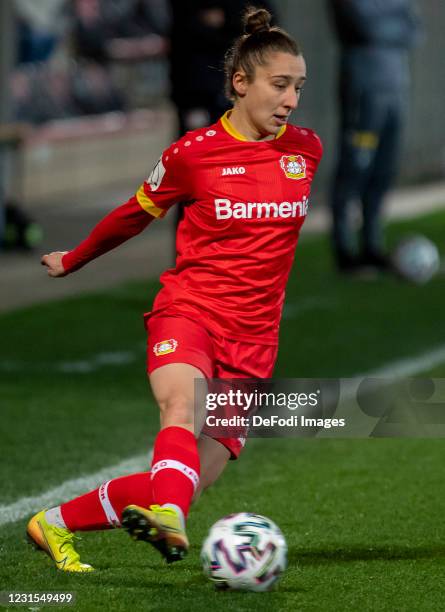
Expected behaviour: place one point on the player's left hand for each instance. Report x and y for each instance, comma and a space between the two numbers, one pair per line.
53, 263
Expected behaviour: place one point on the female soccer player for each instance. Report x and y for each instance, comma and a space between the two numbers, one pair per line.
246, 183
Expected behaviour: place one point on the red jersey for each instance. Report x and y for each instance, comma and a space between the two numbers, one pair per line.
245, 205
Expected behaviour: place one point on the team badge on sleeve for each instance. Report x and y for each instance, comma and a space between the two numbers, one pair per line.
156, 176
165, 347
294, 166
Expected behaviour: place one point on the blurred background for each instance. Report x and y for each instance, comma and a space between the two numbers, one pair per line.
93, 90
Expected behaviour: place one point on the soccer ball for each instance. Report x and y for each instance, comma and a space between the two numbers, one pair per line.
244, 552
416, 259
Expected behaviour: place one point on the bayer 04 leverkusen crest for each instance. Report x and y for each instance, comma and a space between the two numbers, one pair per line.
294, 166
165, 347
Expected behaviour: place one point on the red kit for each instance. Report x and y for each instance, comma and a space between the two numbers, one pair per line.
245, 205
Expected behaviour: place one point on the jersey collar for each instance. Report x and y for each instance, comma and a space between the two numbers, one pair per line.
237, 135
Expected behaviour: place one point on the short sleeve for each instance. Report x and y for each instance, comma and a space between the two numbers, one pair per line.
168, 184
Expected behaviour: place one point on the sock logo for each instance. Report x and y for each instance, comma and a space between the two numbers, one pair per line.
172, 464
106, 505
165, 347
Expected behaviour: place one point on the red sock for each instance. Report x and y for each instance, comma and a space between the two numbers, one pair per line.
102, 508
175, 468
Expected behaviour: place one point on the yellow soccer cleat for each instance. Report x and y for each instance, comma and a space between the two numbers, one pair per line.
161, 527
57, 543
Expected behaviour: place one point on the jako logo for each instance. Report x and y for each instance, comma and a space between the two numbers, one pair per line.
225, 209
231, 171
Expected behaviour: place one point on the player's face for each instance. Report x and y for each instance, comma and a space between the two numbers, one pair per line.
267, 102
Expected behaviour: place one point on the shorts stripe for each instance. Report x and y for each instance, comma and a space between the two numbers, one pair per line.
106, 505
171, 464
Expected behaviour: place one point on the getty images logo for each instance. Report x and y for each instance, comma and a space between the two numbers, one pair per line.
225, 209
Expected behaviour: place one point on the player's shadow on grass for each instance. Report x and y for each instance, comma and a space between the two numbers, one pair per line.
347, 554
192, 584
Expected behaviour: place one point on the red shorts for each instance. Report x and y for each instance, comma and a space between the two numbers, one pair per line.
178, 339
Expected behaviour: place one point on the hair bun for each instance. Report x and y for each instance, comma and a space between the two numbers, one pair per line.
257, 20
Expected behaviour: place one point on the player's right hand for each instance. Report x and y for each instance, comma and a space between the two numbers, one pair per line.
53, 263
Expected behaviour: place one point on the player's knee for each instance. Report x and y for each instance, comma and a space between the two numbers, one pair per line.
176, 409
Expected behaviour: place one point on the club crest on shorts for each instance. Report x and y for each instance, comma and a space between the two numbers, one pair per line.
165, 347
294, 166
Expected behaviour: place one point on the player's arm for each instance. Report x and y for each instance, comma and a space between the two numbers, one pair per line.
119, 225
167, 185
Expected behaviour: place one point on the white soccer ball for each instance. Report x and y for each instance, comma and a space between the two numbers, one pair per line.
245, 552
416, 259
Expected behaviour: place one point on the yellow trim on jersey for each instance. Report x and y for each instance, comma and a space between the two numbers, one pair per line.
281, 131
147, 204
234, 132
229, 127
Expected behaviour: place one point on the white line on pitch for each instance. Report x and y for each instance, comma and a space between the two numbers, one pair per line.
398, 369
83, 366
409, 366
26, 506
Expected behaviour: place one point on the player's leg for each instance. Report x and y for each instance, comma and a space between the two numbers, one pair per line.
176, 444
235, 361
164, 525
179, 352
175, 470
52, 530
214, 457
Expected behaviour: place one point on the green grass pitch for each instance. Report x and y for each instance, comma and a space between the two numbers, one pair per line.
363, 518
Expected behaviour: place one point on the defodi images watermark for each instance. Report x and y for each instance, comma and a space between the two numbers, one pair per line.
368, 407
